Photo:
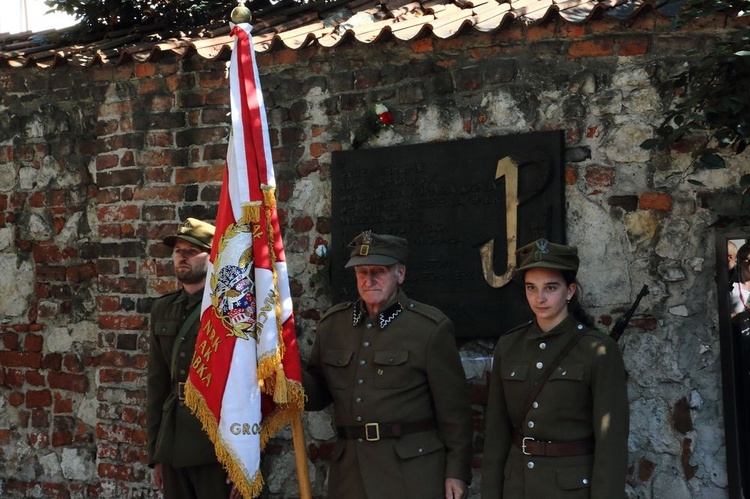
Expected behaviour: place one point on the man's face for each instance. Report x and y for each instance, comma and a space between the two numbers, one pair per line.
731, 255
378, 284
190, 262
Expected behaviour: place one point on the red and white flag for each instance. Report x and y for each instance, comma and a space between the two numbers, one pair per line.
245, 379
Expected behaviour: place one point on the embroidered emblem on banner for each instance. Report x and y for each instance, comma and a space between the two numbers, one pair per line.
232, 284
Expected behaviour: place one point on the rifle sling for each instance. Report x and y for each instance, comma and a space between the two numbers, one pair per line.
545, 376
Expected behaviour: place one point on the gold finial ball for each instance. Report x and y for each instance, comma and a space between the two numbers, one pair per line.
241, 14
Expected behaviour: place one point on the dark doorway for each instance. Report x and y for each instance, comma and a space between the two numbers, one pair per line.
734, 331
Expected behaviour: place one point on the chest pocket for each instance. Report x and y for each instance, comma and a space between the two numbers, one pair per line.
338, 368
514, 371
572, 372
165, 327
391, 368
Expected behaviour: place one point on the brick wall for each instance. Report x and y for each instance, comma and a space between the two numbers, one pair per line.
98, 164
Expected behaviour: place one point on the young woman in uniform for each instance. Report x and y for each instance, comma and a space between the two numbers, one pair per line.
567, 438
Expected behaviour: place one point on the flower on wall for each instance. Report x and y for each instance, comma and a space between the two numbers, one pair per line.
380, 117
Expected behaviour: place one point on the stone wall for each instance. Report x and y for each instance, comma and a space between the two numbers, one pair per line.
98, 164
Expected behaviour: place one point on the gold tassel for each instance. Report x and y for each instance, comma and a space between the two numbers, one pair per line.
269, 195
251, 212
279, 394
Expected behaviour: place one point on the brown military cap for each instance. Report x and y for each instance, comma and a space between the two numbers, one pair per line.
376, 249
193, 231
544, 254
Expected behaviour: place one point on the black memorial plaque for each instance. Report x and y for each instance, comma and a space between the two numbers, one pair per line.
445, 199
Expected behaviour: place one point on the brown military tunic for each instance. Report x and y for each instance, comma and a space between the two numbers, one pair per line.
584, 398
191, 446
401, 366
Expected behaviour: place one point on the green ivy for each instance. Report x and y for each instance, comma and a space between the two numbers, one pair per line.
713, 112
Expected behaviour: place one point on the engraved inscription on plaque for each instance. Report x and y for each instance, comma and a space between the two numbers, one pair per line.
464, 206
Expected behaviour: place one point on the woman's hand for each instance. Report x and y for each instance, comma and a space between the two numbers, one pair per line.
455, 488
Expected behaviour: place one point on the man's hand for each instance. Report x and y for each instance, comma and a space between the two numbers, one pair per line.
157, 476
235, 493
455, 488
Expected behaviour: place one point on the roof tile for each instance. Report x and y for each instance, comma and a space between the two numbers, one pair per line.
296, 25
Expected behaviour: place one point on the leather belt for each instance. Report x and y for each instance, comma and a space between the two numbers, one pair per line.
180, 390
372, 432
531, 447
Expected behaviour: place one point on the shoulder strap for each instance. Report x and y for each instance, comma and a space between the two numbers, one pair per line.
189, 321
545, 376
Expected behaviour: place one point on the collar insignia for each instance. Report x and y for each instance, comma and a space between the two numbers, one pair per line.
385, 317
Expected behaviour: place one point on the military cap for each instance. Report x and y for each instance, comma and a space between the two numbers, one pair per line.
376, 249
193, 231
544, 254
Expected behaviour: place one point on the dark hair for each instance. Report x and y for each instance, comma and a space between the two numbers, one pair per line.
574, 305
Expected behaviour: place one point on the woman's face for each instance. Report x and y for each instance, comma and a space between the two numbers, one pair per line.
743, 265
548, 295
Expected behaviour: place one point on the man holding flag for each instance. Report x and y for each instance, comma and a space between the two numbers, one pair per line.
184, 461
244, 382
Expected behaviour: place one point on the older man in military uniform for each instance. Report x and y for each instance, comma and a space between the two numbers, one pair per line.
183, 457
390, 366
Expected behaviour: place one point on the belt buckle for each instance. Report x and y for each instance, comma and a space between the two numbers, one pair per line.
523, 445
181, 390
376, 428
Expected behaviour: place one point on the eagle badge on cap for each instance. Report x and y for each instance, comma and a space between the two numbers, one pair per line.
185, 227
542, 245
364, 248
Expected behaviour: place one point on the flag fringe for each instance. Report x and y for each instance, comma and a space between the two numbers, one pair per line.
283, 414
237, 473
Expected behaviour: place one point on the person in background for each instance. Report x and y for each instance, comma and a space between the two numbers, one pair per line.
183, 457
731, 260
390, 367
739, 294
568, 437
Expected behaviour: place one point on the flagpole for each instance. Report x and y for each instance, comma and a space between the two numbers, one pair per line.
242, 14
300, 457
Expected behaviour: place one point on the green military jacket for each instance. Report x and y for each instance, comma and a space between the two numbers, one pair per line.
175, 436
585, 397
401, 366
